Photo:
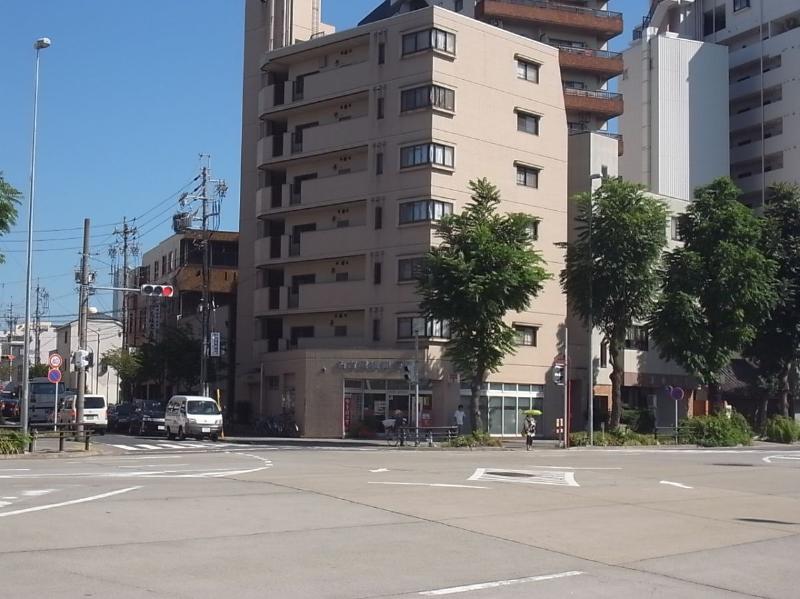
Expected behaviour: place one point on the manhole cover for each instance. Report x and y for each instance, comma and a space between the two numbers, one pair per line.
532, 477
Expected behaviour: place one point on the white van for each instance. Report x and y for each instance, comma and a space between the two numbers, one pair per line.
193, 415
95, 412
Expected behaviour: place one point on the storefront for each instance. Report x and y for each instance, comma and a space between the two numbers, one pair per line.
503, 406
370, 401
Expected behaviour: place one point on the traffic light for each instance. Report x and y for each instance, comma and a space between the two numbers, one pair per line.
157, 290
80, 358
558, 374
410, 372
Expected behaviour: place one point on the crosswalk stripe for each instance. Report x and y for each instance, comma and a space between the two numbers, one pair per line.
171, 446
145, 446
126, 447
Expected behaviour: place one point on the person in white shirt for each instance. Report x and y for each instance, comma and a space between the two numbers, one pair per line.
458, 416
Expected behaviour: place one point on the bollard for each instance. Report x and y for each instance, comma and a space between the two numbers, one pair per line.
60, 441
32, 444
87, 435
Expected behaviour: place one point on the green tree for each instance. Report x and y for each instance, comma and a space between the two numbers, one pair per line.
718, 288
173, 360
128, 367
38, 370
777, 343
484, 268
9, 199
611, 271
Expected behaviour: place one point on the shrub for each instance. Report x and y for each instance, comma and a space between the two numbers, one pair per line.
13, 442
718, 430
782, 430
641, 421
611, 439
477, 439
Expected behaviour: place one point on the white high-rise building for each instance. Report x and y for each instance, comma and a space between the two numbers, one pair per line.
763, 81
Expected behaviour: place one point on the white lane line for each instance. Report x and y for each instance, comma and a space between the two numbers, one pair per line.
380, 470
769, 458
429, 485
150, 465
50, 506
499, 583
14, 469
37, 492
5, 503
12, 498
127, 447
150, 457
680, 485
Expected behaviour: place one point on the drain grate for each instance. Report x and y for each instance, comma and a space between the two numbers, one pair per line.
531, 477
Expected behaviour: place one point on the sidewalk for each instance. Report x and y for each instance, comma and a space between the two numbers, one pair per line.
305, 441
48, 448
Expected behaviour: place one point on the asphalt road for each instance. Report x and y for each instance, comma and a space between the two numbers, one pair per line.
365, 523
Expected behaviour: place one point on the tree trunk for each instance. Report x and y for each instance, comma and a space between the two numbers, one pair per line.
715, 397
784, 378
615, 356
474, 402
764, 413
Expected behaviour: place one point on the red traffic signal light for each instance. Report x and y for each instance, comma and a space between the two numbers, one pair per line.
158, 290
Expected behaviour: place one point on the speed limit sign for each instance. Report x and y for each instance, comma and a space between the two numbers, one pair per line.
55, 361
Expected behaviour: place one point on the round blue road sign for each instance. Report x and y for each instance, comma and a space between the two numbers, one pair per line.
54, 375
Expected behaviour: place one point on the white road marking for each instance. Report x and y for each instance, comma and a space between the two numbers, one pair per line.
40, 508
529, 477
14, 469
429, 485
380, 470
146, 446
681, 485
37, 492
126, 447
576, 468
769, 458
150, 465
171, 445
4, 503
499, 583
144, 457
12, 498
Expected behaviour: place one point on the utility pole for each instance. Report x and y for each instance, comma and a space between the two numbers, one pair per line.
204, 302
42, 305
127, 234
83, 324
12, 323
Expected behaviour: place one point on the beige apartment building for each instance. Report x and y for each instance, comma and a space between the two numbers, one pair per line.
369, 136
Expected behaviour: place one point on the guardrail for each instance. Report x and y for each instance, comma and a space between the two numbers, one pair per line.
62, 432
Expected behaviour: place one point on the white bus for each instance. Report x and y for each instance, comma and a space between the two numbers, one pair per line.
42, 408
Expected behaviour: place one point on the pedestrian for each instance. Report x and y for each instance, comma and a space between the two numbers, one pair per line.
458, 417
528, 431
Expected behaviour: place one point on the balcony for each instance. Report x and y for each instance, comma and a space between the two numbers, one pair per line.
269, 249
606, 104
604, 24
744, 119
328, 190
271, 97
330, 82
341, 134
272, 197
324, 342
602, 62
748, 152
317, 297
267, 300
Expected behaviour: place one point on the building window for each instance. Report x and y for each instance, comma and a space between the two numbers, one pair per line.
408, 325
340, 331
379, 163
525, 335
424, 211
740, 4
459, 5
410, 269
342, 276
714, 20
427, 95
528, 70
533, 231
604, 354
380, 108
427, 39
675, 228
378, 217
381, 53
528, 123
638, 338
155, 270
376, 329
430, 153
273, 383
377, 273
527, 176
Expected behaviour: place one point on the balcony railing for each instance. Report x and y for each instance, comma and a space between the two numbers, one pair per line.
608, 104
589, 52
589, 93
588, 59
606, 23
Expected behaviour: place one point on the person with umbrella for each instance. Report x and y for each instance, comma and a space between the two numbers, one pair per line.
529, 427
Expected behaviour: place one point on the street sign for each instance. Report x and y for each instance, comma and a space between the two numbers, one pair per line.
676, 393
215, 345
55, 361
54, 375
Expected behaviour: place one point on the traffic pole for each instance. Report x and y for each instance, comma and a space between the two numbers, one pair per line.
83, 325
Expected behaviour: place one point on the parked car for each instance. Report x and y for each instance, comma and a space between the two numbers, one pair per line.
119, 418
147, 417
9, 405
95, 412
193, 415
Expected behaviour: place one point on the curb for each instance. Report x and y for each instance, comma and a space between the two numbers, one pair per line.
40, 455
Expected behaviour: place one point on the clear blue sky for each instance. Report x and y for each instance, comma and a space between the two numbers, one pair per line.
131, 93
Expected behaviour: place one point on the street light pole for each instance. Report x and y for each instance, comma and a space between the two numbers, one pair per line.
40, 44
